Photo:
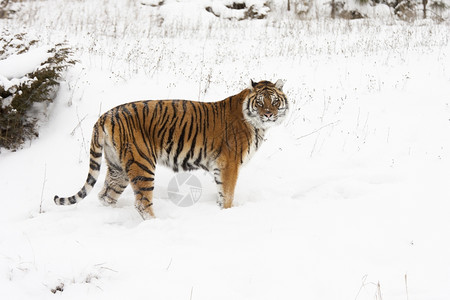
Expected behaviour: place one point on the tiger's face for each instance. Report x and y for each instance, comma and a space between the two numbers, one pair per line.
266, 104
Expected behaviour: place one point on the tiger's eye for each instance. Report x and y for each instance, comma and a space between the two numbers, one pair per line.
260, 101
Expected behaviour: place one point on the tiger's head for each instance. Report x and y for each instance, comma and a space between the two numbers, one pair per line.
266, 104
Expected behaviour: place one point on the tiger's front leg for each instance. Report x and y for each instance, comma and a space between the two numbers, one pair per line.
141, 175
226, 178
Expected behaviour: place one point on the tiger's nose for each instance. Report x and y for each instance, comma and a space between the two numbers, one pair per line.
268, 114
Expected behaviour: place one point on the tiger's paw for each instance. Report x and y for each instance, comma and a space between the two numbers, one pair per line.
106, 201
146, 212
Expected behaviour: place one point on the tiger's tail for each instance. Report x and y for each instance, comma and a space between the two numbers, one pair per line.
96, 149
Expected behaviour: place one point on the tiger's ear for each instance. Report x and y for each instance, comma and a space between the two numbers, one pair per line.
279, 84
252, 85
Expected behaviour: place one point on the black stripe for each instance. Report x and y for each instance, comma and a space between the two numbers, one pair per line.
112, 122
113, 189
128, 165
193, 145
111, 198
174, 107
72, 200
143, 167
94, 165
206, 112
185, 164
114, 167
149, 203
257, 139
240, 152
152, 127
147, 189
180, 145
91, 180
190, 127
199, 158
95, 154
141, 178
169, 148
82, 193
163, 125
143, 154
171, 130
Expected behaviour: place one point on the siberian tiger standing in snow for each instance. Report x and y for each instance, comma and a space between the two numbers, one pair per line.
216, 136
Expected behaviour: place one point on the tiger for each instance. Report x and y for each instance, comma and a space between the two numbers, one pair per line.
218, 137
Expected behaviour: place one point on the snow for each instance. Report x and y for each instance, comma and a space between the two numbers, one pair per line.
348, 199
14, 68
18, 65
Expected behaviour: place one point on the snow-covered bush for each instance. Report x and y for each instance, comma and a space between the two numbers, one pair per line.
154, 3
439, 5
239, 9
406, 9
410, 10
8, 8
5, 10
438, 8
29, 76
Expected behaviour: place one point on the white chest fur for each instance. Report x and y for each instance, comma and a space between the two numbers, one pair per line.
257, 139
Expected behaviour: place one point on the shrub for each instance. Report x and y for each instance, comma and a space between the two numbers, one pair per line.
20, 97
406, 9
7, 9
239, 10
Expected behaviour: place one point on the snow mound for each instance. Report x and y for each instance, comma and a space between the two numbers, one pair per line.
18, 65
13, 69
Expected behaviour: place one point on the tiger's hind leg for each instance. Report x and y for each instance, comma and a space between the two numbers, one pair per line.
115, 183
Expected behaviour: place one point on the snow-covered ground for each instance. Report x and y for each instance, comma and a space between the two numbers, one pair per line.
348, 199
